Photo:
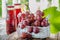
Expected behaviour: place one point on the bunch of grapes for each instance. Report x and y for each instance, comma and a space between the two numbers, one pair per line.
33, 22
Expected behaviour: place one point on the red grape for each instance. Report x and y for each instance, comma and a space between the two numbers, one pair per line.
32, 24
23, 16
30, 17
23, 35
29, 36
37, 23
25, 22
27, 13
23, 26
20, 19
30, 29
38, 18
44, 23
40, 13
36, 30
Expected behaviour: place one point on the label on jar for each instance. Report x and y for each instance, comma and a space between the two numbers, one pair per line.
10, 8
17, 7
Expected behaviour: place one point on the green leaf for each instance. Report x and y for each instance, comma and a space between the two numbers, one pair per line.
53, 29
50, 11
54, 19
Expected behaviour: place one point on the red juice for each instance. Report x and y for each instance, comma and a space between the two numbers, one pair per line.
10, 28
17, 11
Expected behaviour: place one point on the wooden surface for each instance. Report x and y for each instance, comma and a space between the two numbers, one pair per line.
55, 36
35, 39
14, 36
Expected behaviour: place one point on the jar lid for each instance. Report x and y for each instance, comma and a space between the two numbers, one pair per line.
10, 6
17, 4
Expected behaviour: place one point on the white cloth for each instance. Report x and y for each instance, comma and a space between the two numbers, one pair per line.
3, 34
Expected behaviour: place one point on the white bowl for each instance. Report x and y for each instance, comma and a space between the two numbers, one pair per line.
44, 32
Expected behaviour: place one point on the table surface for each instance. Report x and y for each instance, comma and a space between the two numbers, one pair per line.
14, 36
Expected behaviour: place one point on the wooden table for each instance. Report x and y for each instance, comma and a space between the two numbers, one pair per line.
14, 36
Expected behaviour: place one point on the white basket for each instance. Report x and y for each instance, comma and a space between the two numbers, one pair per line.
44, 32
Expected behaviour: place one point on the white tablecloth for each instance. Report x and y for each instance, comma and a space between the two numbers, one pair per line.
3, 34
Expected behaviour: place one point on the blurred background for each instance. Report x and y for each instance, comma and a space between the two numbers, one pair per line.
50, 7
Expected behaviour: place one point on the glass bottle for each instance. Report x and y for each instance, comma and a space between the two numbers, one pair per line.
17, 8
10, 28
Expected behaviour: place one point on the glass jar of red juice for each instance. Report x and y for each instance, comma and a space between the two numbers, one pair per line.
17, 11
10, 27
